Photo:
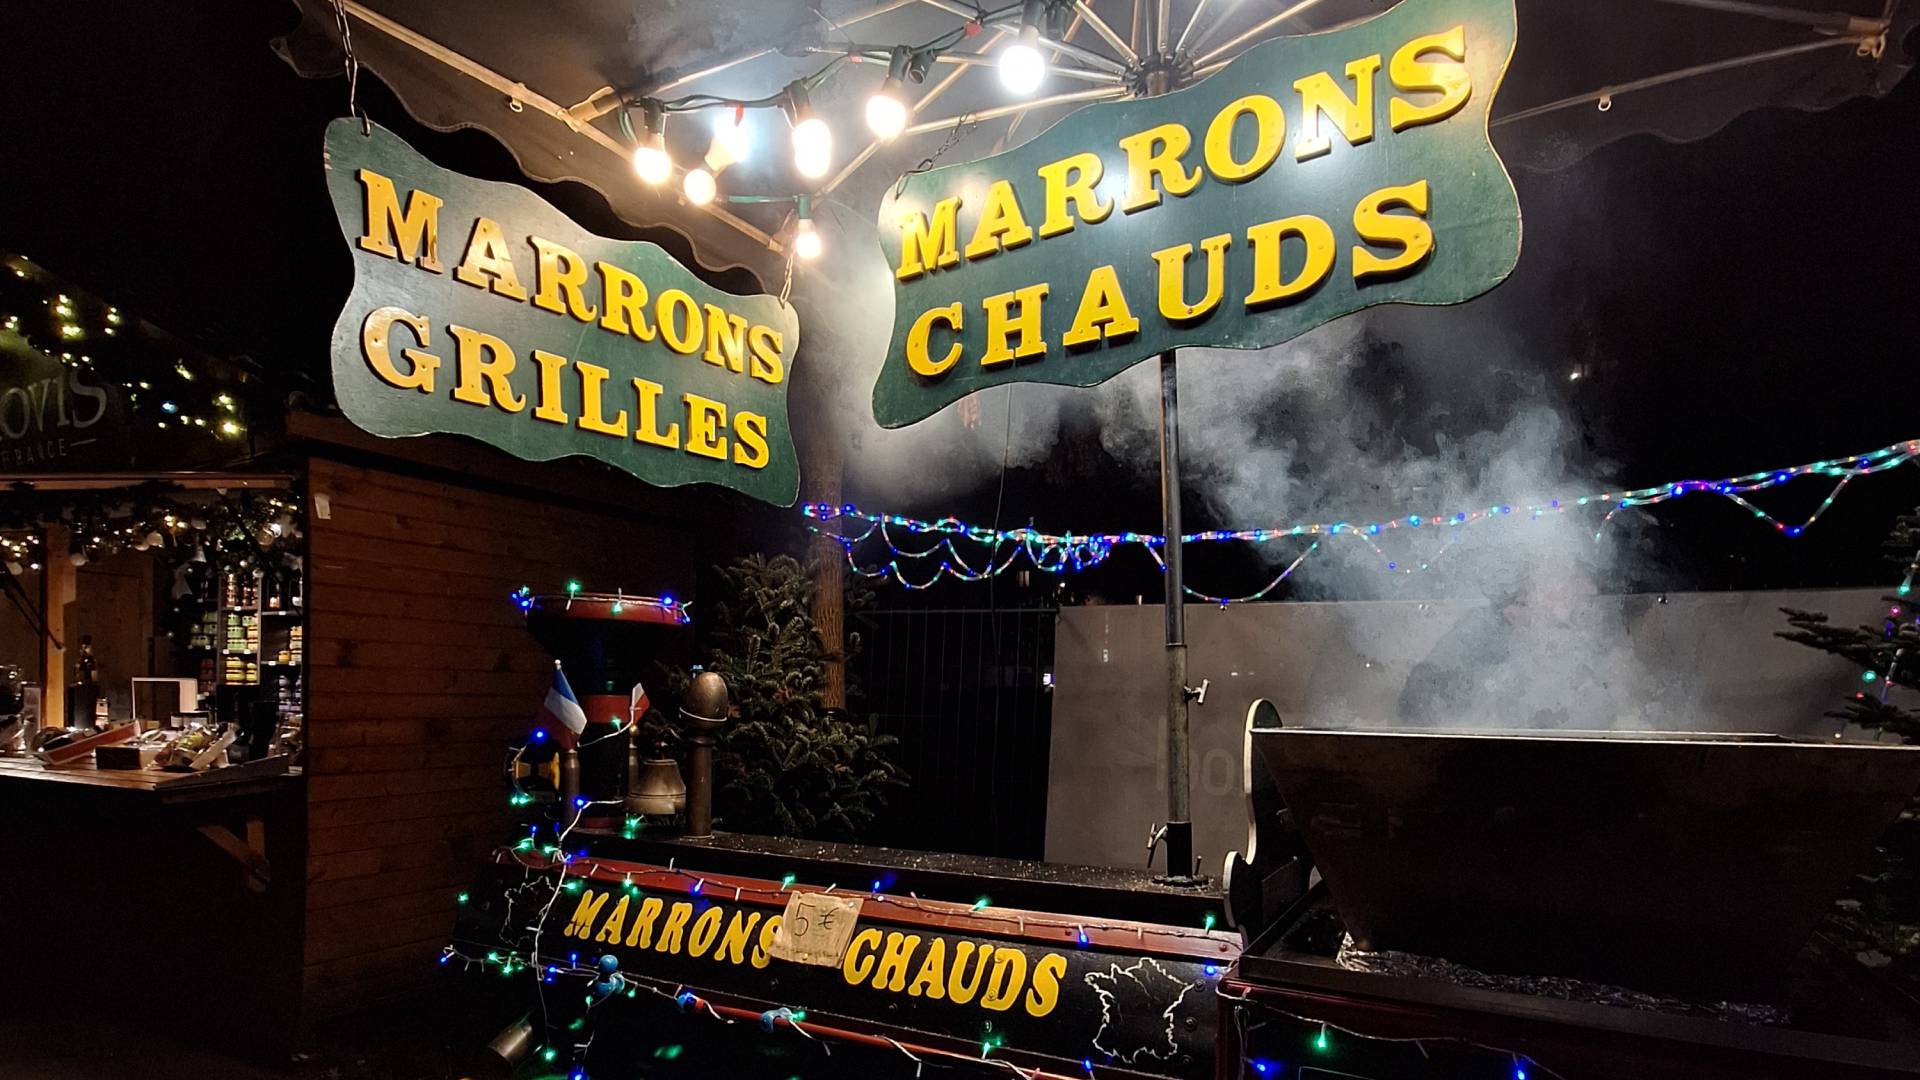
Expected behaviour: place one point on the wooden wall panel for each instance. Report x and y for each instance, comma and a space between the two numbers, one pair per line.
420, 676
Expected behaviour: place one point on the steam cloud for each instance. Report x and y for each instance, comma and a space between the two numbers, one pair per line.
1388, 412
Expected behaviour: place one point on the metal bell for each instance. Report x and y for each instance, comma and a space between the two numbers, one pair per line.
657, 789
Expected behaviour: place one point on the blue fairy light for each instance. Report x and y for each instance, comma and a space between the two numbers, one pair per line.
922, 565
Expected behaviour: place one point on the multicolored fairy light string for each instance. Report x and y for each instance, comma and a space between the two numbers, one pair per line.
995, 551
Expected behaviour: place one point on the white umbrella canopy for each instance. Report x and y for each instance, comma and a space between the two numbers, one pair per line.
562, 82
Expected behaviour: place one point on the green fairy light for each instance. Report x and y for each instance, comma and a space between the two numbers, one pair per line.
787, 882
1058, 553
1209, 921
573, 588
1320, 1041
980, 904
462, 898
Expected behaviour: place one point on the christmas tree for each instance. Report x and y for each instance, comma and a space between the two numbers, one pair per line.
1879, 917
786, 765
1888, 654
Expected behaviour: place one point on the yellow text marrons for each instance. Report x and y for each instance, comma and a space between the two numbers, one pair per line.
993, 977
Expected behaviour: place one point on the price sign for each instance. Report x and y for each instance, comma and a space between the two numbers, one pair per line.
816, 928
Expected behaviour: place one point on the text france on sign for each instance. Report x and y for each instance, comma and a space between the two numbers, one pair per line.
478, 309
1311, 177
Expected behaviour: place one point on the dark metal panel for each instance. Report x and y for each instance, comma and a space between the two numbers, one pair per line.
962, 691
1653, 860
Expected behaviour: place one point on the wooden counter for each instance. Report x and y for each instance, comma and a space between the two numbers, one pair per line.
187, 887
162, 787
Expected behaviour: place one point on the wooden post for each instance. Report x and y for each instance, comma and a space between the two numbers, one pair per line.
57, 590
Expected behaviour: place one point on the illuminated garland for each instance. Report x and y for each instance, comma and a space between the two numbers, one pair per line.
95, 340
242, 530
526, 600
605, 981
602, 980
1000, 549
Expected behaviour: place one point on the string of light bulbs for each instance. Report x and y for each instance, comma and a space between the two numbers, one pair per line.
1000, 549
1022, 65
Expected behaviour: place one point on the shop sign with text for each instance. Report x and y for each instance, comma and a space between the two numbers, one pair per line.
1154, 1013
1311, 177
58, 417
479, 309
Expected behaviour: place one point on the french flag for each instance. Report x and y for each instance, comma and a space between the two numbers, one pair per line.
562, 713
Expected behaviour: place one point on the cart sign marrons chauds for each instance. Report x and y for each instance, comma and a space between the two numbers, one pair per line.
1311, 177
479, 309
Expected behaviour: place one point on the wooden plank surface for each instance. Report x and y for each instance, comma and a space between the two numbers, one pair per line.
163, 787
421, 673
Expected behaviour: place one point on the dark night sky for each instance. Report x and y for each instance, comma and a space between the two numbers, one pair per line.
1749, 300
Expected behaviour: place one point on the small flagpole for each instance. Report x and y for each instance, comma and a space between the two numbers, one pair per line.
569, 767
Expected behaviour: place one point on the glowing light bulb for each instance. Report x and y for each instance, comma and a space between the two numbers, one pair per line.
806, 240
812, 147
651, 162
732, 141
1022, 67
886, 113
699, 186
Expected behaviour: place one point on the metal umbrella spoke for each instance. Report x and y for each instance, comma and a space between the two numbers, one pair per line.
1107, 34
933, 94
1252, 32
1697, 70
1095, 94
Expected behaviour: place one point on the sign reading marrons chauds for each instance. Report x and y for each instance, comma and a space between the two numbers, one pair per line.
1311, 177
479, 309
1148, 1009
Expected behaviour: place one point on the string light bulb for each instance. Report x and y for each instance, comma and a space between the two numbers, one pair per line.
887, 108
806, 239
699, 186
732, 140
650, 158
812, 138
1022, 66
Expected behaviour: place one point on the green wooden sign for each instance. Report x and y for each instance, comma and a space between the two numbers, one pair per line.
479, 309
1311, 177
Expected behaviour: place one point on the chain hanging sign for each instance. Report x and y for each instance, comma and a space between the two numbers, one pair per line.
1311, 177
479, 309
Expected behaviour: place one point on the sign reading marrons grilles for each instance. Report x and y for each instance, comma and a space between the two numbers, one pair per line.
1311, 177
478, 309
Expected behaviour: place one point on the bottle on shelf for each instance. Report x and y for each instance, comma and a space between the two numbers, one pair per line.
83, 694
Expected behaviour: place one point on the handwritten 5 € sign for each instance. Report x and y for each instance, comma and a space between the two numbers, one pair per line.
816, 928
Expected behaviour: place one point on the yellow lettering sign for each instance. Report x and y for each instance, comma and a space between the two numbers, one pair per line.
374, 346
411, 236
